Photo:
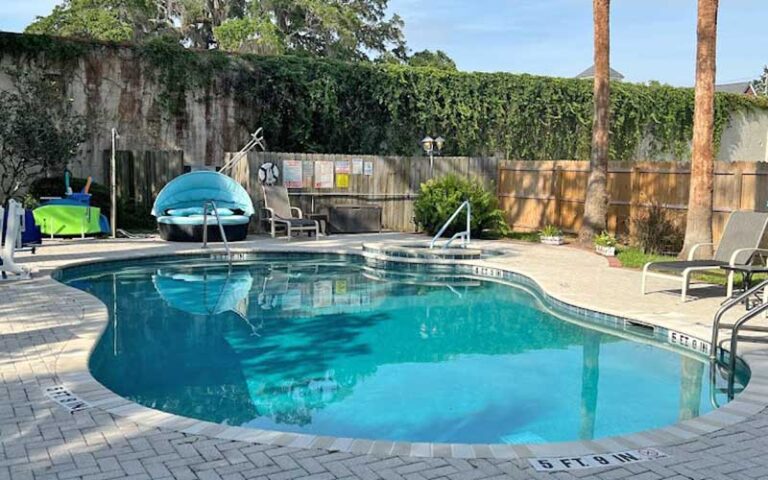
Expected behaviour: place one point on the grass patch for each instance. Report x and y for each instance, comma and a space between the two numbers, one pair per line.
633, 257
532, 237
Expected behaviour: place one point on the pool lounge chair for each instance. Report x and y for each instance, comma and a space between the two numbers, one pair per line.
742, 241
280, 213
8, 241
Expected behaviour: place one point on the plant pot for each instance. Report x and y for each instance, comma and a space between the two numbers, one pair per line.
551, 240
605, 251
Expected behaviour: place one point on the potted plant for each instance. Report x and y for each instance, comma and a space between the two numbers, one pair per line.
551, 235
605, 244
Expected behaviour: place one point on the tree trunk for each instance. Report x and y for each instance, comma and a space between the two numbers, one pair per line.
699, 222
596, 199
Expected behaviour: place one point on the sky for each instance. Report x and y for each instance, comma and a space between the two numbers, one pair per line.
650, 39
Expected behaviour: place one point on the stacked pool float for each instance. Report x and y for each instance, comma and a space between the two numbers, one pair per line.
71, 215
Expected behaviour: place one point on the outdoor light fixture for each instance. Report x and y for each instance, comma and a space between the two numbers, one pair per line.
427, 143
430, 145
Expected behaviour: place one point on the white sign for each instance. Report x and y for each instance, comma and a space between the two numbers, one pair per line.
342, 166
357, 166
292, 177
323, 174
65, 398
368, 168
559, 464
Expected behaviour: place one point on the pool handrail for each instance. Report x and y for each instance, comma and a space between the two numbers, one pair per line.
212, 204
738, 325
464, 235
725, 307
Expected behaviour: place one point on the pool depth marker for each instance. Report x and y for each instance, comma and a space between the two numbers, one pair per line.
65, 398
559, 464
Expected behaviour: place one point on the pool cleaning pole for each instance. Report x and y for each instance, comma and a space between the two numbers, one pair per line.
113, 186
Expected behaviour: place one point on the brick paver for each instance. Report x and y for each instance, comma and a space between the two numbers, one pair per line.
41, 440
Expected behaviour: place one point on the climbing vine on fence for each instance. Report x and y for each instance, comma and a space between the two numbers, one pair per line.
313, 105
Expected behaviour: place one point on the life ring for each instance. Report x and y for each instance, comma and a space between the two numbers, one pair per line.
268, 173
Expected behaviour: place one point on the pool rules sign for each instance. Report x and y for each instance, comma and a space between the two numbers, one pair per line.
559, 464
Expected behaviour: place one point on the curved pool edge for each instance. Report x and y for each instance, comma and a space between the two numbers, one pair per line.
71, 368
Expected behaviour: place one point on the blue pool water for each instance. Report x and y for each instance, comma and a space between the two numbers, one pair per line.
327, 345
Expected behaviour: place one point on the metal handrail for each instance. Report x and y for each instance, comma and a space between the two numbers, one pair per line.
737, 326
465, 235
724, 308
212, 204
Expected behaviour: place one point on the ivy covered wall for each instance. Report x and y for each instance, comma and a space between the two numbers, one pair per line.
162, 96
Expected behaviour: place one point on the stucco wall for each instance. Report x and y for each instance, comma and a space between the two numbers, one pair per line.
746, 138
112, 88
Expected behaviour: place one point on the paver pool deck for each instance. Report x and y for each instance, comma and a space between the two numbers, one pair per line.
47, 328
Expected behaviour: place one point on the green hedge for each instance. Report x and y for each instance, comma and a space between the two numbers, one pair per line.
311, 105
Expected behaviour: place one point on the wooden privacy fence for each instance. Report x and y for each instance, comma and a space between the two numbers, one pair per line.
141, 174
390, 182
535, 194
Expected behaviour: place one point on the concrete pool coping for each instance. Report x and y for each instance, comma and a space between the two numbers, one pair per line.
71, 368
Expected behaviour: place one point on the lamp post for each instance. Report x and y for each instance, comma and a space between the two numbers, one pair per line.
430, 145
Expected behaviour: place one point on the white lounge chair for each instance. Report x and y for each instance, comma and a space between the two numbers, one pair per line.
743, 238
280, 213
9, 240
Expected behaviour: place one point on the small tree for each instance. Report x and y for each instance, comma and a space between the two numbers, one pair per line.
39, 132
437, 59
761, 84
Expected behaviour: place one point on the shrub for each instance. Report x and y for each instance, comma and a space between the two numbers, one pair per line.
551, 231
439, 198
605, 239
39, 130
656, 232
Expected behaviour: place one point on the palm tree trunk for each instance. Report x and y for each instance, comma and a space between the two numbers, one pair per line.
596, 199
699, 222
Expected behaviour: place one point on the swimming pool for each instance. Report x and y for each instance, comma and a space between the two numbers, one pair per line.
332, 345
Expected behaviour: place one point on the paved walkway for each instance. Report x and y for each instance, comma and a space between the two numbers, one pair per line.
39, 439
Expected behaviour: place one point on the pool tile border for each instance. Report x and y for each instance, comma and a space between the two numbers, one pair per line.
71, 369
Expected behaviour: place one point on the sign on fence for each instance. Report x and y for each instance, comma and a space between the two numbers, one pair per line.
292, 174
323, 174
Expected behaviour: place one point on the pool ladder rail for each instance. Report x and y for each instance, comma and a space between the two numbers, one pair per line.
463, 235
212, 205
737, 327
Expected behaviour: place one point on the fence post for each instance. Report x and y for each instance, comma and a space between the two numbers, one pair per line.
634, 199
739, 178
553, 195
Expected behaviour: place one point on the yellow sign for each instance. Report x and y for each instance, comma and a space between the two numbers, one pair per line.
342, 180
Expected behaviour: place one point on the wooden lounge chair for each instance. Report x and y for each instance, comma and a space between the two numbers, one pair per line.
741, 243
280, 213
